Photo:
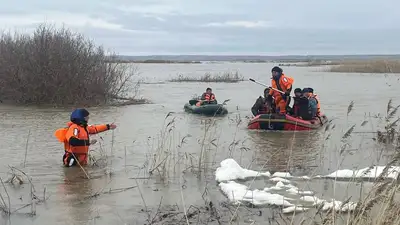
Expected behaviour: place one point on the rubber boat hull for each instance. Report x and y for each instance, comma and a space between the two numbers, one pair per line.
207, 109
285, 122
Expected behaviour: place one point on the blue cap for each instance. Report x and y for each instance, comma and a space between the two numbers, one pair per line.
78, 115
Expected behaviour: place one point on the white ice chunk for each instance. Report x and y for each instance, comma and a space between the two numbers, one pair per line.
315, 200
292, 209
296, 191
368, 172
282, 174
240, 193
277, 179
231, 170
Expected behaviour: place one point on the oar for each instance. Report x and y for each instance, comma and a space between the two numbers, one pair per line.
227, 100
266, 86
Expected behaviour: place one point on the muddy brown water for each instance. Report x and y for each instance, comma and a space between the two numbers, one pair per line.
137, 136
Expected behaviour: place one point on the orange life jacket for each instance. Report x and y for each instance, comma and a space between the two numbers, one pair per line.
209, 97
284, 84
76, 137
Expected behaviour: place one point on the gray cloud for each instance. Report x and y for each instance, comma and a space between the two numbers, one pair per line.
231, 27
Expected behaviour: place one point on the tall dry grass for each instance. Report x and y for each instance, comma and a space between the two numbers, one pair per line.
367, 66
381, 204
155, 61
226, 77
59, 67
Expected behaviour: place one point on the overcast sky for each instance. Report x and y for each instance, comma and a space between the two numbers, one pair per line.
280, 27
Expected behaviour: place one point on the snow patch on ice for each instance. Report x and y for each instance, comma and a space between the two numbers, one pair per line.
368, 172
231, 170
241, 193
237, 193
296, 208
279, 179
282, 174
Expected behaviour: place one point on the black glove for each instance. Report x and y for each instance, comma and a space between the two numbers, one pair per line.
285, 95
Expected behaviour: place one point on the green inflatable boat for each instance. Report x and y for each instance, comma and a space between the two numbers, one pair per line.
208, 109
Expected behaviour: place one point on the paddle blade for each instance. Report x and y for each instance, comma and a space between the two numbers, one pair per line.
227, 100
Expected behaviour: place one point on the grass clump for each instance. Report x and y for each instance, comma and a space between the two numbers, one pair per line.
311, 63
367, 66
226, 77
156, 61
58, 67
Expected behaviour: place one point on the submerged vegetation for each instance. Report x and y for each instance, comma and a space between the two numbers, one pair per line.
226, 77
59, 67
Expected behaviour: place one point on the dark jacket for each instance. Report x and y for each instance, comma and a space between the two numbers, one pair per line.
261, 106
305, 108
295, 110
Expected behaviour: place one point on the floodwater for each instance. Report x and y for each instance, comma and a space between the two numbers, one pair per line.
71, 198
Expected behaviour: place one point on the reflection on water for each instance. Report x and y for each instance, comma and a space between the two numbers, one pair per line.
301, 153
76, 189
295, 152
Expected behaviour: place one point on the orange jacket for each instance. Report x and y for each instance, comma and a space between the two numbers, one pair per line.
76, 138
284, 84
208, 97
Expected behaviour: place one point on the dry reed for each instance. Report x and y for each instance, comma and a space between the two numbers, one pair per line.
367, 66
226, 77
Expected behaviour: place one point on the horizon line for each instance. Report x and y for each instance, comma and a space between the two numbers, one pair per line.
362, 54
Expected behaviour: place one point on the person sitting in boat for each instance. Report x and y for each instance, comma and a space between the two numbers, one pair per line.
312, 95
295, 109
282, 83
308, 111
207, 97
263, 105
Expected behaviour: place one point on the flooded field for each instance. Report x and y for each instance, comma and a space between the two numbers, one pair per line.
161, 170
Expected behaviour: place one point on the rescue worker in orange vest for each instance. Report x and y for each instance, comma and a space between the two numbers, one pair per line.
283, 83
207, 96
76, 137
312, 95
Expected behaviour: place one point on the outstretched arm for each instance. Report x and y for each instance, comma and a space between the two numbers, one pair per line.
95, 129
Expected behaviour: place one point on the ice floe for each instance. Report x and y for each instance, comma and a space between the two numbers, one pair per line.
230, 170
282, 174
368, 172
241, 193
279, 179
295, 208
